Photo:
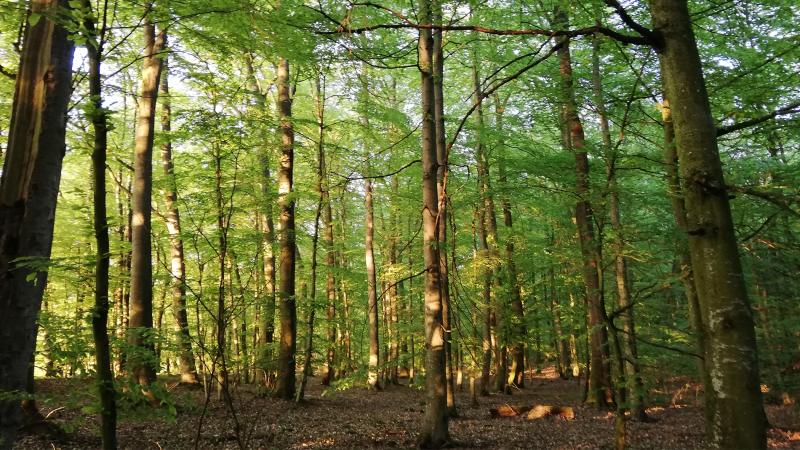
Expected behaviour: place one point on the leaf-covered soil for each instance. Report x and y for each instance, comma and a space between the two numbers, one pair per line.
357, 418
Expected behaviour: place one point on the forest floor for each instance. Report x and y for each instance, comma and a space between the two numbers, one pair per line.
357, 418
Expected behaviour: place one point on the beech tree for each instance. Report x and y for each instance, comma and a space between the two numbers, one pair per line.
28, 192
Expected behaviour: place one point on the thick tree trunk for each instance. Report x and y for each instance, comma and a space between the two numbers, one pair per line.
177, 262
286, 232
599, 391
28, 191
141, 361
734, 412
105, 378
434, 432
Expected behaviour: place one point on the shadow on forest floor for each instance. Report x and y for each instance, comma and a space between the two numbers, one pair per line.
357, 418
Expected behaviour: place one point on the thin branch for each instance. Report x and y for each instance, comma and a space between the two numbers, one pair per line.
8, 73
790, 108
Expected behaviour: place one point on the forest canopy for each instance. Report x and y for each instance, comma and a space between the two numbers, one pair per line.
443, 211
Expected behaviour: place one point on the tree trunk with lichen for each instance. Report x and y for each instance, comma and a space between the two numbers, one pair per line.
734, 412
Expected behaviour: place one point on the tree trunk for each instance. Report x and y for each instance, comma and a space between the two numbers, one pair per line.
734, 413
634, 387
679, 213
442, 219
286, 231
105, 378
434, 432
599, 390
173, 220
327, 236
517, 375
142, 360
28, 191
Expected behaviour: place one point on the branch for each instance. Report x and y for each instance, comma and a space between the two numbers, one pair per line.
8, 73
383, 175
775, 198
625, 38
792, 107
643, 31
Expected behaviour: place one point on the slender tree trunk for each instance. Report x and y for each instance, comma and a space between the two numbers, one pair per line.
372, 295
684, 260
517, 375
105, 378
28, 191
177, 262
327, 234
394, 289
599, 391
633, 386
434, 432
286, 231
734, 412
141, 361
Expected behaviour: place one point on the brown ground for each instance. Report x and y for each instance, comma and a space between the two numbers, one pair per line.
357, 418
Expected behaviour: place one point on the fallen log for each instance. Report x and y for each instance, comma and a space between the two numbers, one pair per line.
534, 412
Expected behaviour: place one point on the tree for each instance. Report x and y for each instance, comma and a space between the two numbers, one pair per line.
142, 361
599, 383
105, 378
434, 433
286, 232
734, 411
173, 220
28, 193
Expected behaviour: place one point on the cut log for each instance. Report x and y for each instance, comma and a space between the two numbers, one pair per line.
541, 411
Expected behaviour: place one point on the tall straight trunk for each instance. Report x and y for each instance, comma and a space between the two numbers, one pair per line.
441, 222
286, 232
734, 412
633, 386
141, 361
372, 294
434, 432
327, 235
394, 288
177, 261
679, 213
373, 379
599, 385
222, 251
268, 229
28, 191
517, 374
561, 343
481, 219
105, 378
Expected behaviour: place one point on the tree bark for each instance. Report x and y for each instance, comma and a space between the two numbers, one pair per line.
734, 413
442, 219
286, 232
517, 375
173, 220
142, 360
599, 390
634, 387
28, 191
105, 378
434, 432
